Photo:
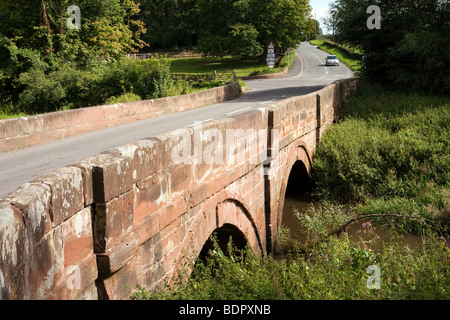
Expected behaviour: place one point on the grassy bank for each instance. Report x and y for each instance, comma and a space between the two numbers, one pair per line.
388, 154
244, 67
351, 57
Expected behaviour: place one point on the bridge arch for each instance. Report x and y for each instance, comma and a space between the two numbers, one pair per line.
226, 214
298, 166
223, 236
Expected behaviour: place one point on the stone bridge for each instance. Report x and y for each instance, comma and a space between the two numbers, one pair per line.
99, 228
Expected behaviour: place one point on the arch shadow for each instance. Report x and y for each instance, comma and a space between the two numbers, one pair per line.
223, 236
298, 168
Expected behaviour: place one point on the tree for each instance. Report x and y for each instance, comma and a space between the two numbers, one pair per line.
410, 49
108, 29
226, 27
170, 23
330, 20
286, 22
246, 27
317, 29
36, 42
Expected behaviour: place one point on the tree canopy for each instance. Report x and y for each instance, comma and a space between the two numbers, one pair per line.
222, 27
44, 60
411, 48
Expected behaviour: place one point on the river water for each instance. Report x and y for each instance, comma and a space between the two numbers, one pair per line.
357, 232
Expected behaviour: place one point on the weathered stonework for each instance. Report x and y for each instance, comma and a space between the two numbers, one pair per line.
130, 216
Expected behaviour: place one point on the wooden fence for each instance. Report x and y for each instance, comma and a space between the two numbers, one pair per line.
216, 76
225, 76
171, 55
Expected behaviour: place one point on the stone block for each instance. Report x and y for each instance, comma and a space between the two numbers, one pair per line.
172, 212
151, 195
120, 285
145, 257
181, 178
114, 220
31, 125
89, 293
117, 170
45, 268
78, 238
117, 257
147, 228
94, 116
33, 200
12, 128
77, 281
54, 121
86, 166
76, 117
13, 245
66, 185
2, 130
110, 112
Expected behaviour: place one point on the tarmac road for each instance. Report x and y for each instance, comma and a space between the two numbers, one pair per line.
308, 74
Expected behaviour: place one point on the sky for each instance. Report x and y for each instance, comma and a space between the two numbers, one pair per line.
320, 8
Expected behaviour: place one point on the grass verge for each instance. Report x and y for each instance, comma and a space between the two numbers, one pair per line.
351, 59
244, 67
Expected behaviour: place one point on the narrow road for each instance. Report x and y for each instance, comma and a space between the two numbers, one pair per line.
309, 74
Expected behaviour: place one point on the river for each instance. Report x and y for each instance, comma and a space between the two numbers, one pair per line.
357, 232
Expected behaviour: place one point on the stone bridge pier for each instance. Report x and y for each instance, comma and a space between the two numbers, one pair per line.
101, 227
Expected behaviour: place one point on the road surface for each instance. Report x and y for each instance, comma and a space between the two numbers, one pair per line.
308, 74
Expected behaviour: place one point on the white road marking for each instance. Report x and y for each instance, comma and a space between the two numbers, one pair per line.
200, 122
263, 103
238, 111
301, 65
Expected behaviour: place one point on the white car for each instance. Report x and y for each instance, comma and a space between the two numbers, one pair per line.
332, 60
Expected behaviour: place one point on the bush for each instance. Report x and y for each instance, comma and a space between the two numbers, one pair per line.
150, 79
46, 88
124, 98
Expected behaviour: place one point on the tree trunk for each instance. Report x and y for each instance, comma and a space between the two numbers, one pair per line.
263, 56
47, 25
61, 17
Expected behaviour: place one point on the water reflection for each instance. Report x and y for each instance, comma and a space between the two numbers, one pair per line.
362, 232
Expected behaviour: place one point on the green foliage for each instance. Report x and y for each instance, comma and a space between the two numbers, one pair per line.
246, 27
410, 49
333, 269
108, 29
224, 28
126, 97
203, 66
287, 61
389, 151
46, 88
170, 24
285, 22
45, 66
150, 79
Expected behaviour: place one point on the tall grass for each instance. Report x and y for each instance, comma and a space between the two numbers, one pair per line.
335, 269
390, 152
